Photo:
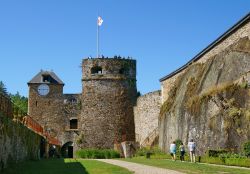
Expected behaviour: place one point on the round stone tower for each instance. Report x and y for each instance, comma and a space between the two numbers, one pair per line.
108, 96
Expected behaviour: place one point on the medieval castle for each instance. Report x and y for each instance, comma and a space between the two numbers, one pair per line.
207, 99
194, 101
98, 117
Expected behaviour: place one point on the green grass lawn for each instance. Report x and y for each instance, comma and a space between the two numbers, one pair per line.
65, 166
187, 167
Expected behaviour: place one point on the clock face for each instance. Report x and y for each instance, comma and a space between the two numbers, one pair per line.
43, 89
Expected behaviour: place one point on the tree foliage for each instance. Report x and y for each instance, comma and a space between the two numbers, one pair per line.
3, 89
20, 104
246, 148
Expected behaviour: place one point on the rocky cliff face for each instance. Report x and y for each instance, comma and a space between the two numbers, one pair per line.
210, 102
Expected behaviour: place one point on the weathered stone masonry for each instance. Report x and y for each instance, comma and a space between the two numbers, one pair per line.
146, 113
98, 117
108, 97
197, 98
17, 142
55, 110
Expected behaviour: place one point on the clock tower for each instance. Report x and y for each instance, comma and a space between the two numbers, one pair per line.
46, 101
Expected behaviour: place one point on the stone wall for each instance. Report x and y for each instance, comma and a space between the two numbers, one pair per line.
146, 113
206, 103
72, 104
17, 142
108, 97
234, 37
167, 84
55, 110
48, 110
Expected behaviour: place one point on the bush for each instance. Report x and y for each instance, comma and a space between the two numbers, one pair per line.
215, 153
246, 148
155, 152
142, 151
178, 143
97, 153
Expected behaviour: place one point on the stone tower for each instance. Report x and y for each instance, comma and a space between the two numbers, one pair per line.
108, 96
46, 101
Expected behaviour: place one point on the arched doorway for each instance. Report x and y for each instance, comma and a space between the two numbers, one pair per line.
67, 150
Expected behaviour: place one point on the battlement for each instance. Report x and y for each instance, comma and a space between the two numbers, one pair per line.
108, 68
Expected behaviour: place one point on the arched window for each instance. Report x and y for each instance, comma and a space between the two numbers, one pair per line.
96, 70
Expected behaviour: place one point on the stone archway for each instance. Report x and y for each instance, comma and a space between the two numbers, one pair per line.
67, 150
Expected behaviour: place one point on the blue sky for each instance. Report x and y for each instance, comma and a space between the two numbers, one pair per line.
55, 35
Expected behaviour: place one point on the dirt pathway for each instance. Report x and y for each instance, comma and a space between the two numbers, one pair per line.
139, 168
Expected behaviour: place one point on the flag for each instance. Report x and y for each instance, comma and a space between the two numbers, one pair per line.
99, 21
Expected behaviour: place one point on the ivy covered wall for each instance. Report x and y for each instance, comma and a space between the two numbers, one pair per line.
17, 142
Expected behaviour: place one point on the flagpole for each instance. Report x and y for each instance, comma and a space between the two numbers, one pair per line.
99, 23
97, 40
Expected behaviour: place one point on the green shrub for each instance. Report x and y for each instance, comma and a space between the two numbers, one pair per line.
246, 148
97, 153
157, 151
215, 153
154, 151
142, 151
114, 154
178, 143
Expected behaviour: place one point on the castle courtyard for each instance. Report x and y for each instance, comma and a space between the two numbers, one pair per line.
125, 87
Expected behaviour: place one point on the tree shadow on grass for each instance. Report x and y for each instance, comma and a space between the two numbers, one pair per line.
47, 166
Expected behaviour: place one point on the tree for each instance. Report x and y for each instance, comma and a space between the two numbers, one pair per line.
3, 89
20, 104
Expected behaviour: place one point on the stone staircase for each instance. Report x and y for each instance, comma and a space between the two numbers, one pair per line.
152, 138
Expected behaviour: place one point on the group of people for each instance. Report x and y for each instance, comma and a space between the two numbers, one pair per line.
191, 149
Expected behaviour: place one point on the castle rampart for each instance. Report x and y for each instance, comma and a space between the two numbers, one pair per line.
199, 96
240, 30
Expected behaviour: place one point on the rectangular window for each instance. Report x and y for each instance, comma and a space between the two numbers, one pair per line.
73, 124
46, 78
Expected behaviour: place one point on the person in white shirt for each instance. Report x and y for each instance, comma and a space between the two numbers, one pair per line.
191, 147
172, 150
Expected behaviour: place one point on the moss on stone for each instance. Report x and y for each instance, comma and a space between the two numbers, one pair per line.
166, 106
194, 103
19, 142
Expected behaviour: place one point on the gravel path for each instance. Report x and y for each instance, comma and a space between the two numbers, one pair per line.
139, 168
